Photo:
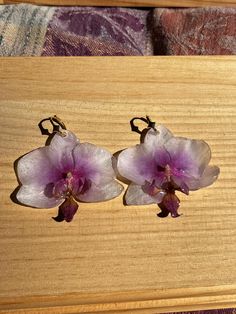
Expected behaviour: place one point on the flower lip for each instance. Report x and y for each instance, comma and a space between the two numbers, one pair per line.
170, 204
67, 210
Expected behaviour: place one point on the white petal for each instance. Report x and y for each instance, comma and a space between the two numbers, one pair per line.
191, 156
60, 150
35, 197
66, 139
136, 196
102, 193
208, 177
94, 163
136, 164
35, 168
156, 138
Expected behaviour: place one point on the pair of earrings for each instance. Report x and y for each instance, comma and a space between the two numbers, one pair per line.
67, 171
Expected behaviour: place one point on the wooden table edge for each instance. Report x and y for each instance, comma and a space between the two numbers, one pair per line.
160, 301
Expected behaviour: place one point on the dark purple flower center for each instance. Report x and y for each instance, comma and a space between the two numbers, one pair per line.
71, 184
168, 180
69, 187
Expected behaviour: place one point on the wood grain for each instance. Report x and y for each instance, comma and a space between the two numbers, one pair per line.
131, 3
113, 258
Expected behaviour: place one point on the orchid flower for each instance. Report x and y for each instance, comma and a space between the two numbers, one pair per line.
163, 164
64, 172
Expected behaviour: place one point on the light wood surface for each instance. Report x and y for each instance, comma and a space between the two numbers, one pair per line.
128, 3
113, 258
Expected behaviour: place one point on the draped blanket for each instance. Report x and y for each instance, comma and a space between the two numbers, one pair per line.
28, 30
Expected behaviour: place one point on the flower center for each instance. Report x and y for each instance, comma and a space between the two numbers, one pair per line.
168, 173
71, 184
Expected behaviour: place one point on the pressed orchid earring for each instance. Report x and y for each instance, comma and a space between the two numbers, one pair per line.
65, 172
163, 164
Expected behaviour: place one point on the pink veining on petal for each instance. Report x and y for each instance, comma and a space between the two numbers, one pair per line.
60, 150
136, 164
94, 163
188, 156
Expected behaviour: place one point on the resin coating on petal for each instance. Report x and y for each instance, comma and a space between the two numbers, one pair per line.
163, 164
64, 172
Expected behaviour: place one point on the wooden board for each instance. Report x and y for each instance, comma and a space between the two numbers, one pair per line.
131, 3
113, 258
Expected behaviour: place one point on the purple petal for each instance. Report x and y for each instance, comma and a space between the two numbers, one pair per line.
35, 168
188, 157
162, 159
171, 203
137, 164
36, 197
101, 193
179, 184
67, 210
140, 163
208, 177
94, 163
60, 150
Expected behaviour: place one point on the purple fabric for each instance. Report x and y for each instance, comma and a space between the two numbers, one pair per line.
90, 31
87, 31
97, 31
198, 31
